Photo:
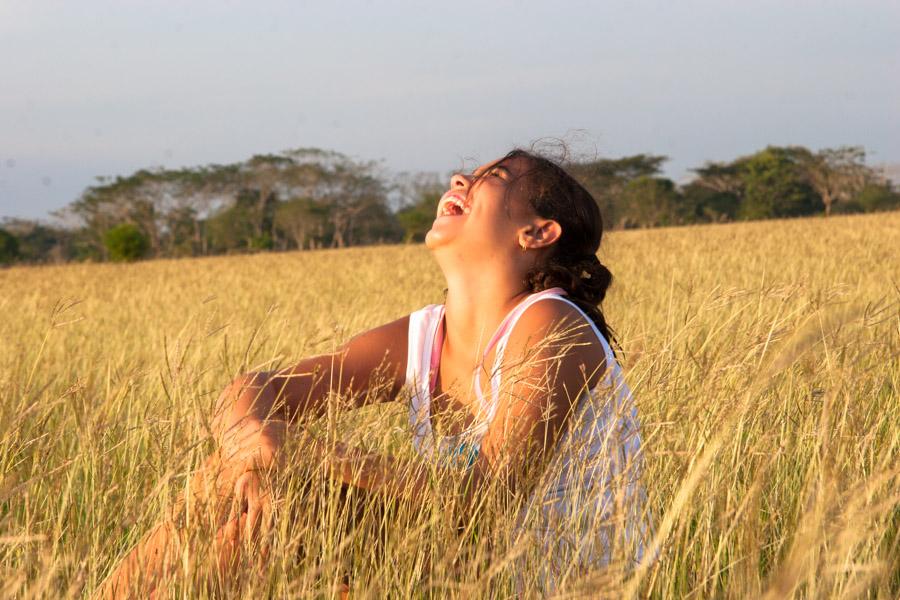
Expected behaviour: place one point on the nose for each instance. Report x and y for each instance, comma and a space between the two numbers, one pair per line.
459, 180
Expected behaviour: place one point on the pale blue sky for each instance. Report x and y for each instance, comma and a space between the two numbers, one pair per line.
103, 88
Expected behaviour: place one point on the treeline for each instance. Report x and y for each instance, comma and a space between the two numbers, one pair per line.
311, 198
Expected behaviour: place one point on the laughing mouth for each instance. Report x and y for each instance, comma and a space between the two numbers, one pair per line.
454, 205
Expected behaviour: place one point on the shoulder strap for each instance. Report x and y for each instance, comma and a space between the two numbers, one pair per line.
499, 339
502, 342
510, 323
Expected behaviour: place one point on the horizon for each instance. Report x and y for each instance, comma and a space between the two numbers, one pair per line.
103, 89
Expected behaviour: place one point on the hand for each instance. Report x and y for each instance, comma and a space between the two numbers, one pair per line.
249, 453
248, 524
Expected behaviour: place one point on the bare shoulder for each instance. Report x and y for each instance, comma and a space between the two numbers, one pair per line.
549, 317
558, 329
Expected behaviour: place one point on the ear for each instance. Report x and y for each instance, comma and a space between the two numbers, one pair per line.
541, 233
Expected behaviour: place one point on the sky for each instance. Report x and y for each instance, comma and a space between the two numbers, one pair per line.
95, 88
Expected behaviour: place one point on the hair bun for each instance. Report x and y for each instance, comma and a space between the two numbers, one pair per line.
584, 278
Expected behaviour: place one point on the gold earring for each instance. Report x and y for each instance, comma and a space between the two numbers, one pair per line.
524, 247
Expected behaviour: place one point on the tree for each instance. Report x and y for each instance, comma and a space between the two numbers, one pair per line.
419, 195
606, 178
9, 247
183, 232
775, 184
301, 223
351, 195
769, 183
143, 198
702, 203
237, 226
358, 208
836, 174
40, 242
724, 178
649, 202
126, 243
416, 219
260, 178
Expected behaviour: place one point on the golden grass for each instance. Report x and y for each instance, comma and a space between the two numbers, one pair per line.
764, 357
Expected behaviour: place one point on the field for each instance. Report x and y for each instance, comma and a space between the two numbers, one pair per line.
765, 359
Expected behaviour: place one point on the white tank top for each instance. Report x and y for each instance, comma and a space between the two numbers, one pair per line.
596, 465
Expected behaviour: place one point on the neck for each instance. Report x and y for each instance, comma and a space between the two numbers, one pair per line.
477, 301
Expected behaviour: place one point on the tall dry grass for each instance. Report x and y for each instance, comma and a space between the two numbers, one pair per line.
764, 358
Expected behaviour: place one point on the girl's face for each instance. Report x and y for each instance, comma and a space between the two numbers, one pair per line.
479, 215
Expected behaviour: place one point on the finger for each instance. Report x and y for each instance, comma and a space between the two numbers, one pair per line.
228, 547
222, 495
264, 527
235, 504
254, 507
259, 508
259, 519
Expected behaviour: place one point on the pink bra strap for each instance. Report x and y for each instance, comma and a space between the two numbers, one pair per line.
436, 352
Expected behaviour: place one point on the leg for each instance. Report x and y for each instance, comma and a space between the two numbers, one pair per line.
155, 555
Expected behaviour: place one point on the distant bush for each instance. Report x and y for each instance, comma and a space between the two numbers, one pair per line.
126, 243
876, 197
9, 247
261, 242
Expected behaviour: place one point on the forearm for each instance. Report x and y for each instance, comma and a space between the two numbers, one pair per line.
378, 473
410, 480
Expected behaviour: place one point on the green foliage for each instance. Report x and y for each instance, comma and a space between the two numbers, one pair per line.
836, 174
774, 182
702, 204
244, 225
39, 242
184, 232
606, 178
376, 224
261, 242
301, 223
126, 243
876, 197
9, 247
417, 218
774, 186
650, 202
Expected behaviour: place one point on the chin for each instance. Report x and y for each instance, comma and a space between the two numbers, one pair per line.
432, 239
439, 235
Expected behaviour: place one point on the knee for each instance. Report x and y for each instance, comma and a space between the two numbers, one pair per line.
232, 404
243, 383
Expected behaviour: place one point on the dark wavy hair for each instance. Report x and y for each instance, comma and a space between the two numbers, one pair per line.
572, 263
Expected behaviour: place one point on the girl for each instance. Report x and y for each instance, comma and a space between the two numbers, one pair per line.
512, 379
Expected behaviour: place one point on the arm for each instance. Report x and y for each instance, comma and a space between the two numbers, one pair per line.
253, 411
551, 356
